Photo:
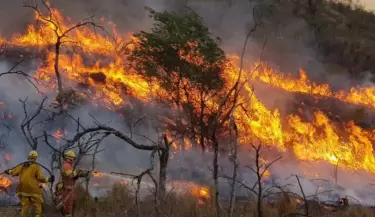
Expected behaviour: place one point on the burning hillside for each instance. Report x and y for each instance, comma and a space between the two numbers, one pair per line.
100, 63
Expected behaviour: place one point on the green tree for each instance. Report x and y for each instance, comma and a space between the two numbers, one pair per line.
181, 54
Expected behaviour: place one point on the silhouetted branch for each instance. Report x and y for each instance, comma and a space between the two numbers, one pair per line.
27, 126
29, 78
59, 32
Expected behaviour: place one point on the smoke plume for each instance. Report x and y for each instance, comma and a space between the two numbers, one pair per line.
283, 44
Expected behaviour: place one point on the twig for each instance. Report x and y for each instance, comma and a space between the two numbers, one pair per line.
26, 125
304, 196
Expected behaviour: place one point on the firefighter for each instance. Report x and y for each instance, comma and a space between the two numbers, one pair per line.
65, 188
29, 190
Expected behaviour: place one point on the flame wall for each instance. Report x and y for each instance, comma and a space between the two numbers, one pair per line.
315, 139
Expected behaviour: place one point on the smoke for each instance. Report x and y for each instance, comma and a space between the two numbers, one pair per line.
283, 44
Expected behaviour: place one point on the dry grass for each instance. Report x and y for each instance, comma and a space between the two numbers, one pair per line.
120, 202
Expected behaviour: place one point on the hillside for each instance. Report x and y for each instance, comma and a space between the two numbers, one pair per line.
344, 34
178, 75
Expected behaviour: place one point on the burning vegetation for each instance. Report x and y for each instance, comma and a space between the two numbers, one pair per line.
113, 75
209, 95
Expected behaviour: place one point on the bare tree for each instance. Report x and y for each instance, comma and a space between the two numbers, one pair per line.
225, 109
87, 146
162, 147
61, 34
259, 170
139, 178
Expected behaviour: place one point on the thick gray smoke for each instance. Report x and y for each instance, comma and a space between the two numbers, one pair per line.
286, 48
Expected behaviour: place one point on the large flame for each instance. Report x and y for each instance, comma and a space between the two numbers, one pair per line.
360, 96
102, 71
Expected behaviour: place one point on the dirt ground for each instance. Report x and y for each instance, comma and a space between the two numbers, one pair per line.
15, 211
9, 211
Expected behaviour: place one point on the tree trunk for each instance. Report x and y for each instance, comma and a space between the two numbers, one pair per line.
234, 176
313, 6
259, 182
216, 175
201, 125
163, 159
56, 66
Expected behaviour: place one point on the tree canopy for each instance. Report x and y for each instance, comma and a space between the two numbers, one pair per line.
179, 46
180, 52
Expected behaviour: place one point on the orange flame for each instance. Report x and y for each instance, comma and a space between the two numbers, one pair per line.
201, 192
98, 174
360, 96
4, 182
107, 79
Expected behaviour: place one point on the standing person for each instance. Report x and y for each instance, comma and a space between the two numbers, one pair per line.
65, 188
28, 189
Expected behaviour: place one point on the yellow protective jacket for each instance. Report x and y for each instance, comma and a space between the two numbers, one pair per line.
30, 176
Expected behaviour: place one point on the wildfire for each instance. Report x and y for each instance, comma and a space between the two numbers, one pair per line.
106, 78
200, 192
98, 174
358, 96
4, 182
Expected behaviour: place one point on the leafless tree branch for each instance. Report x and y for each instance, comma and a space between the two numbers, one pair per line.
59, 32
27, 123
12, 71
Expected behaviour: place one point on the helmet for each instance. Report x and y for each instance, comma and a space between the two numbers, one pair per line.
32, 155
70, 155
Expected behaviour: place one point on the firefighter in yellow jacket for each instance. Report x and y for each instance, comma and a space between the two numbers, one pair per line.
29, 190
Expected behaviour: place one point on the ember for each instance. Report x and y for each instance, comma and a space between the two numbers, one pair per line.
7, 157
58, 135
98, 174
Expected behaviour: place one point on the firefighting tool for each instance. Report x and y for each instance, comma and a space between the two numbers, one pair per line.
29, 162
